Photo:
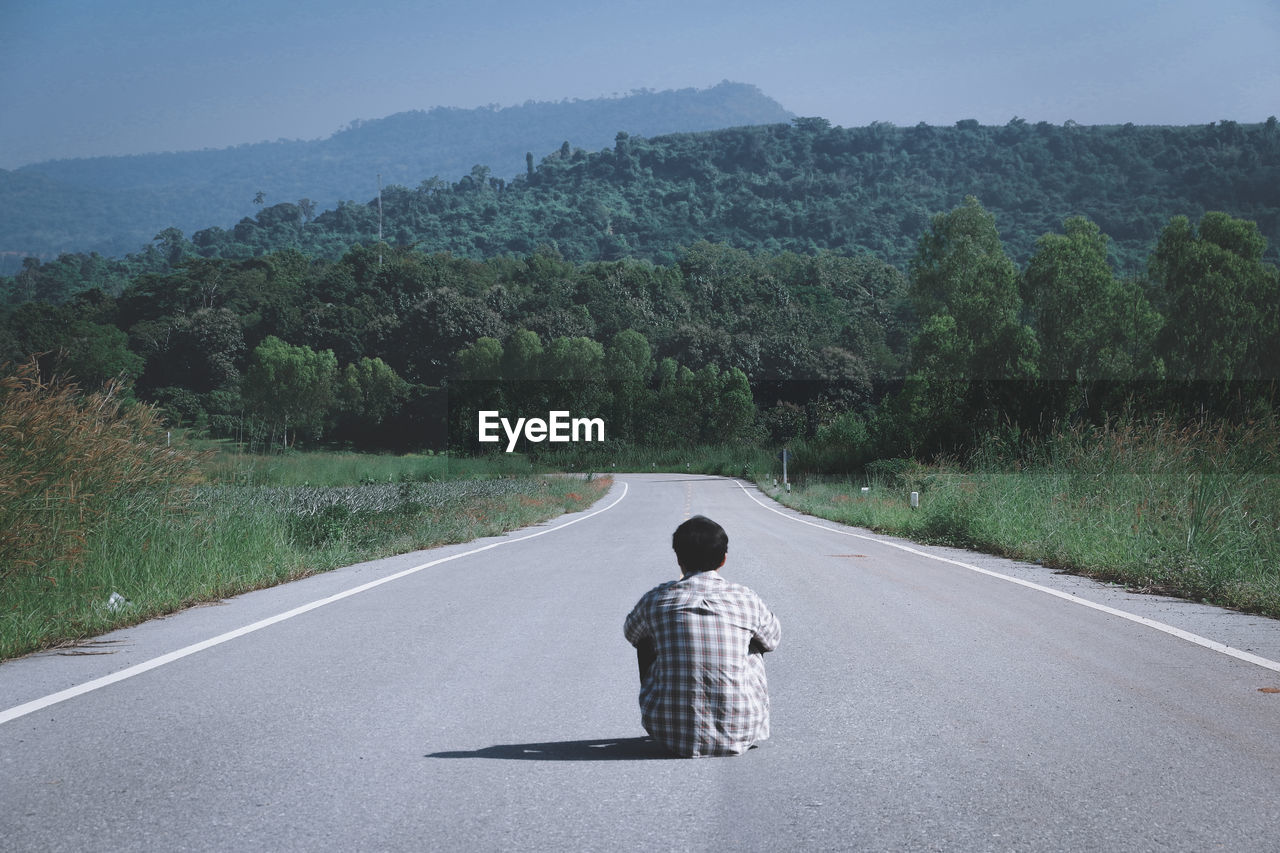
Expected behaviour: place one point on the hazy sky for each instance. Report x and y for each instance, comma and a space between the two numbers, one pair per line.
80, 78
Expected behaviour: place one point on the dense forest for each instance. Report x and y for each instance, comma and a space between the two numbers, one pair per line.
393, 347
758, 284
115, 205
394, 323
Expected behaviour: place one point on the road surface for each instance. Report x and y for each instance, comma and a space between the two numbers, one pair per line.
481, 697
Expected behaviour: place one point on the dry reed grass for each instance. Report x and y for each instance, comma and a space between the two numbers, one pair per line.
68, 459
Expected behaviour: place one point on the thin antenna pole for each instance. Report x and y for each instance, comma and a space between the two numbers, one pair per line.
379, 219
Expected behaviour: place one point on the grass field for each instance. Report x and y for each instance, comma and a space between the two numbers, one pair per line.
1191, 511
237, 523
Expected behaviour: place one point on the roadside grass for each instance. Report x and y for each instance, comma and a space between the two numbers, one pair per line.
1189, 511
135, 522
111, 522
227, 540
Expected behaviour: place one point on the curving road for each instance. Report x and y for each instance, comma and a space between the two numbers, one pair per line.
481, 697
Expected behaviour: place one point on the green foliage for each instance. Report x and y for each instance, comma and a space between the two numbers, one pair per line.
802, 188
973, 353
809, 187
1091, 324
371, 387
667, 287
201, 350
661, 351
76, 340
290, 386
1220, 299
1095, 330
642, 402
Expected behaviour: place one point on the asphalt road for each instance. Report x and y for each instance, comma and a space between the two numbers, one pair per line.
481, 697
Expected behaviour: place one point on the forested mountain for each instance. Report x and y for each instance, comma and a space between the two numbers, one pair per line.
799, 187
809, 186
748, 284
115, 205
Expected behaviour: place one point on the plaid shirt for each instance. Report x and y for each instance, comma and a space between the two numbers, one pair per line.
706, 692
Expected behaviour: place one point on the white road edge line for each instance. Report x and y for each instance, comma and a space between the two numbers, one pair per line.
1123, 614
146, 666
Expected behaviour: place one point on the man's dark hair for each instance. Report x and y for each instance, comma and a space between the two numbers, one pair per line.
700, 545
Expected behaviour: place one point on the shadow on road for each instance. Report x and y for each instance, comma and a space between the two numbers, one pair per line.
617, 749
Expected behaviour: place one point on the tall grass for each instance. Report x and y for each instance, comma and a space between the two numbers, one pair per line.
232, 539
1188, 510
70, 462
103, 524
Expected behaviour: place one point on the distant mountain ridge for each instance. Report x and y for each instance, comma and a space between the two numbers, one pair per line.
804, 187
115, 205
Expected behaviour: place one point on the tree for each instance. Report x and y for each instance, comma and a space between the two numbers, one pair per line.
434, 329
973, 355
961, 269
370, 390
1092, 327
576, 359
480, 176
290, 386
479, 386
628, 364
521, 357
1220, 300
521, 370
69, 342
629, 357
172, 246
482, 360
198, 351
575, 370
727, 408
676, 415
96, 354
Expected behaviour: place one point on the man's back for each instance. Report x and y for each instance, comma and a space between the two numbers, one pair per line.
705, 693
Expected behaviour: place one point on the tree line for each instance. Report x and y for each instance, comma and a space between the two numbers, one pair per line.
189, 337
391, 346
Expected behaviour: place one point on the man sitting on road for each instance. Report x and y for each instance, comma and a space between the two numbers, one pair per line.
700, 642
